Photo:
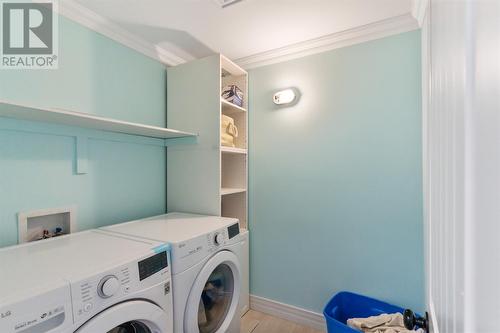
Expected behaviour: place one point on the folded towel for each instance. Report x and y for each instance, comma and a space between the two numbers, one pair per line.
386, 323
228, 131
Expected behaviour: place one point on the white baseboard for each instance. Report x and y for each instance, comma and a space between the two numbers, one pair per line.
288, 312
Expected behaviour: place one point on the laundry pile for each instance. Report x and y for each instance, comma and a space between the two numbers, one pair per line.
385, 323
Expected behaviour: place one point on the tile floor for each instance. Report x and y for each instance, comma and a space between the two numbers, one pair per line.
258, 322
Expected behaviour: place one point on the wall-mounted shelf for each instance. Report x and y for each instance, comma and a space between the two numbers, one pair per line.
230, 108
233, 150
227, 191
72, 118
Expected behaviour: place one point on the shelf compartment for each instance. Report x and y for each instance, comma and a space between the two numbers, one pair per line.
233, 171
233, 150
231, 74
228, 190
230, 67
229, 108
240, 121
79, 119
235, 206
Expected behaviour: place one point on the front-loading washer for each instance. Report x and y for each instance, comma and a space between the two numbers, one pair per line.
87, 282
206, 271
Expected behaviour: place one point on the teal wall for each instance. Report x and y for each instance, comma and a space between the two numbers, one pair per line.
125, 179
335, 181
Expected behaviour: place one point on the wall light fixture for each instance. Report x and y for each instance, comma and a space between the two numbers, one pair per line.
286, 96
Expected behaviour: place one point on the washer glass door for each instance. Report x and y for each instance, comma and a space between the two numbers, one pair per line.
136, 316
215, 299
131, 327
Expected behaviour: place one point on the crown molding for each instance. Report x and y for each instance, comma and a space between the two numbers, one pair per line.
419, 10
368, 32
395, 25
90, 19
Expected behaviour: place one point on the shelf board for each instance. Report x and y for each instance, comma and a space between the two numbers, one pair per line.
85, 120
228, 107
233, 150
227, 190
230, 67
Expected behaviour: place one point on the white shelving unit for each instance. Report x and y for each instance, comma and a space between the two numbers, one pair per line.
234, 160
85, 120
207, 178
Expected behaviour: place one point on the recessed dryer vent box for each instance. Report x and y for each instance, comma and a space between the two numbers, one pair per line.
45, 223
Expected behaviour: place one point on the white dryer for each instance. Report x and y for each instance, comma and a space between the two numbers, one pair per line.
87, 282
206, 269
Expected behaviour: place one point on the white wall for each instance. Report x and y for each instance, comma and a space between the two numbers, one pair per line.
461, 63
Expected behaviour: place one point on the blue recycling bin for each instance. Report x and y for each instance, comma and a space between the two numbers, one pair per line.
346, 305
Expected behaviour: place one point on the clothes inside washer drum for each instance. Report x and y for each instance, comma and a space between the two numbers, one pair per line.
215, 299
131, 327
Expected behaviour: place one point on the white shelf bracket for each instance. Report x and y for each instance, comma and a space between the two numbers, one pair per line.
82, 152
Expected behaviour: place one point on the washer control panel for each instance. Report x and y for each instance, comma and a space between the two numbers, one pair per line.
216, 239
190, 252
222, 236
98, 292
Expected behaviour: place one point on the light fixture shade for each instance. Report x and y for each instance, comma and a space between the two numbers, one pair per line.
286, 96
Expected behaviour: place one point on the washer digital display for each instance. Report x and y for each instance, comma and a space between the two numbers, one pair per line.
152, 265
233, 230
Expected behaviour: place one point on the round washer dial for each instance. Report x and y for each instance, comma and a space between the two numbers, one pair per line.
218, 239
108, 286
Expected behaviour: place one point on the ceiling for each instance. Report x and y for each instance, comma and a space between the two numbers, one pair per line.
191, 29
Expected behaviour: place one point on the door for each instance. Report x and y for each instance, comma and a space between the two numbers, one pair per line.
462, 170
129, 317
213, 300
